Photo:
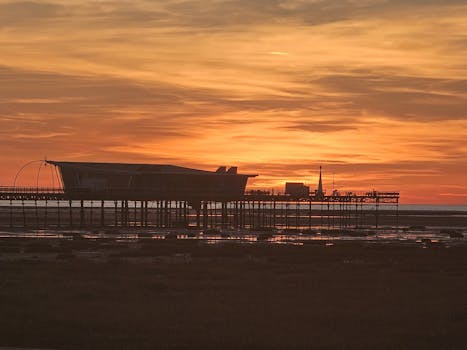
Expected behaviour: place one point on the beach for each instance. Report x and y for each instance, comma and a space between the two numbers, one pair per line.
188, 294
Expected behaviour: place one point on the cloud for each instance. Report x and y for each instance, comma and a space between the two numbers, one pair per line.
398, 96
27, 12
325, 126
53, 95
211, 14
374, 87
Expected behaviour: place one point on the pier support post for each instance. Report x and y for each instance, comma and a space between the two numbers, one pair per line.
81, 215
58, 214
135, 214
122, 214
235, 219
397, 215
211, 214
377, 213
102, 214
142, 214
297, 215
11, 213
91, 211
24, 213
274, 214
127, 214
309, 214
263, 214
46, 210
356, 213
70, 212
160, 205
241, 217
205, 215
198, 218
166, 214
252, 215
115, 213
224, 215
37, 213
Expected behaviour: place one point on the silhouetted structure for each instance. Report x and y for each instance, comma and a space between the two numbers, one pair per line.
320, 192
297, 190
149, 182
145, 195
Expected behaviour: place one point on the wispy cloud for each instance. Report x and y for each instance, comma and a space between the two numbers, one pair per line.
376, 90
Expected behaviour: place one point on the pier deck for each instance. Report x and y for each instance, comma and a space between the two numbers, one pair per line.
51, 207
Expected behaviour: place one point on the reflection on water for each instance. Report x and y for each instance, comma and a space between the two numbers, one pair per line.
417, 235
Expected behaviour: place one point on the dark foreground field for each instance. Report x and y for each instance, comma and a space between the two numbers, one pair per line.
188, 295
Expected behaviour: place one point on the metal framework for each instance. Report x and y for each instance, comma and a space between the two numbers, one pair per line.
37, 207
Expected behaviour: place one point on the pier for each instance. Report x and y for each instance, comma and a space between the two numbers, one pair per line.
42, 208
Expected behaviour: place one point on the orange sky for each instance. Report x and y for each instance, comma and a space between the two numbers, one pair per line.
373, 90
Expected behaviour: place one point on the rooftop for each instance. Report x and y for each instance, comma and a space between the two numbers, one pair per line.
140, 168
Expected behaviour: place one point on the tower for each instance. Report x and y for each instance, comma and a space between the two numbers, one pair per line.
320, 193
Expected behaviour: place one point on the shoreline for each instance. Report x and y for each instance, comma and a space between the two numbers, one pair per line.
175, 294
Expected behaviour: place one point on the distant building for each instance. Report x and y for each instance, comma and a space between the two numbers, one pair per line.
149, 182
297, 190
319, 191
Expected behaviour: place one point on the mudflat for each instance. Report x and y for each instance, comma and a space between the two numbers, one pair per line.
174, 294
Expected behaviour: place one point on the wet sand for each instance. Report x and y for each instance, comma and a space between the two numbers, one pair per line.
31, 217
176, 294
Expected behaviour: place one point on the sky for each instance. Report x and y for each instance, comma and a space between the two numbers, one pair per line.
375, 91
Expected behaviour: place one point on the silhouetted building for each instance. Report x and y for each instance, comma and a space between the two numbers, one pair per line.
297, 190
320, 192
149, 182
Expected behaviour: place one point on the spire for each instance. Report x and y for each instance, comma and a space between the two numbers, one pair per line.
320, 192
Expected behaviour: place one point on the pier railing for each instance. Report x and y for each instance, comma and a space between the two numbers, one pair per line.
41, 207
16, 189
25, 193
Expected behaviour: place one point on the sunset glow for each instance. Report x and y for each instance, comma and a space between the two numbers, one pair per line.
375, 91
